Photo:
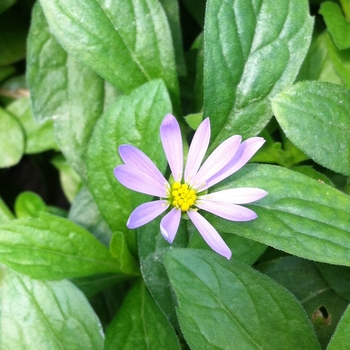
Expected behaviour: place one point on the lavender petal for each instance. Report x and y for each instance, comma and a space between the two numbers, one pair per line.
198, 148
220, 157
170, 224
132, 156
228, 211
146, 212
235, 195
210, 235
170, 135
246, 150
139, 181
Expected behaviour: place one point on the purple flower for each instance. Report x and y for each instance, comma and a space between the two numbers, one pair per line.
186, 191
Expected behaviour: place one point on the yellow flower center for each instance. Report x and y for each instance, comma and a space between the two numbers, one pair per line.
181, 196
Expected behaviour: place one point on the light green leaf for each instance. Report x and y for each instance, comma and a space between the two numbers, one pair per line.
247, 305
69, 179
300, 216
11, 140
341, 337
29, 205
253, 50
139, 324
302, 278
322, 107
336, 23
39, 137
46, 315
127, 43
52, 248
133, 119
85, 213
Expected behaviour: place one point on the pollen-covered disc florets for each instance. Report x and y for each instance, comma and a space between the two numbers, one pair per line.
182, 196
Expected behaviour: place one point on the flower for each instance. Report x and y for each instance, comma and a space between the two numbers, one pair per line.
185, 192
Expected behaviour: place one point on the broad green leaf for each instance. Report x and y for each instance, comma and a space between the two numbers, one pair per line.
152, 247
64, 89
29, 205
5, 212
139, 324
337, 24
46, 315
338, 278
309, 171
341, 337
302, 278
52, 248
253, 50
38, 137
127, 43
325, 62
319, 106
85, 213
69, 179
228, 305
300, 216
133, 119
11, 140
345, 6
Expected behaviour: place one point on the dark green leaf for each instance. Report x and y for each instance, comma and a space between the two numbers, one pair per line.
336, 23
46, 315
246, 305
5, 212
132, 41
299, 215
50, 247
139, 324
253, 50
5, 4
319, 106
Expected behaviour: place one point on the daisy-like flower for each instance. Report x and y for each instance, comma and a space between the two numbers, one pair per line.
186, 191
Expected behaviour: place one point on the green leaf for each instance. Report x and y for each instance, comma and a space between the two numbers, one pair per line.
319, 106
69, 179
314, 174
127, 43
341, 337
11, 140
52, 248
336, 23
38, 137
5, 212
46, 315
85, 213
247, 305
152, 247
29, 205
299, 215
253, 50
139, 324
133, 119
302, 278
5, 4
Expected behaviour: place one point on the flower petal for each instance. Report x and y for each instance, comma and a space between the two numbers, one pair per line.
146, 212
228, 211
235, 195
210, 235
216, 161
198, 148
139, 181
170, 224
246, 150
132, 156
170, 135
